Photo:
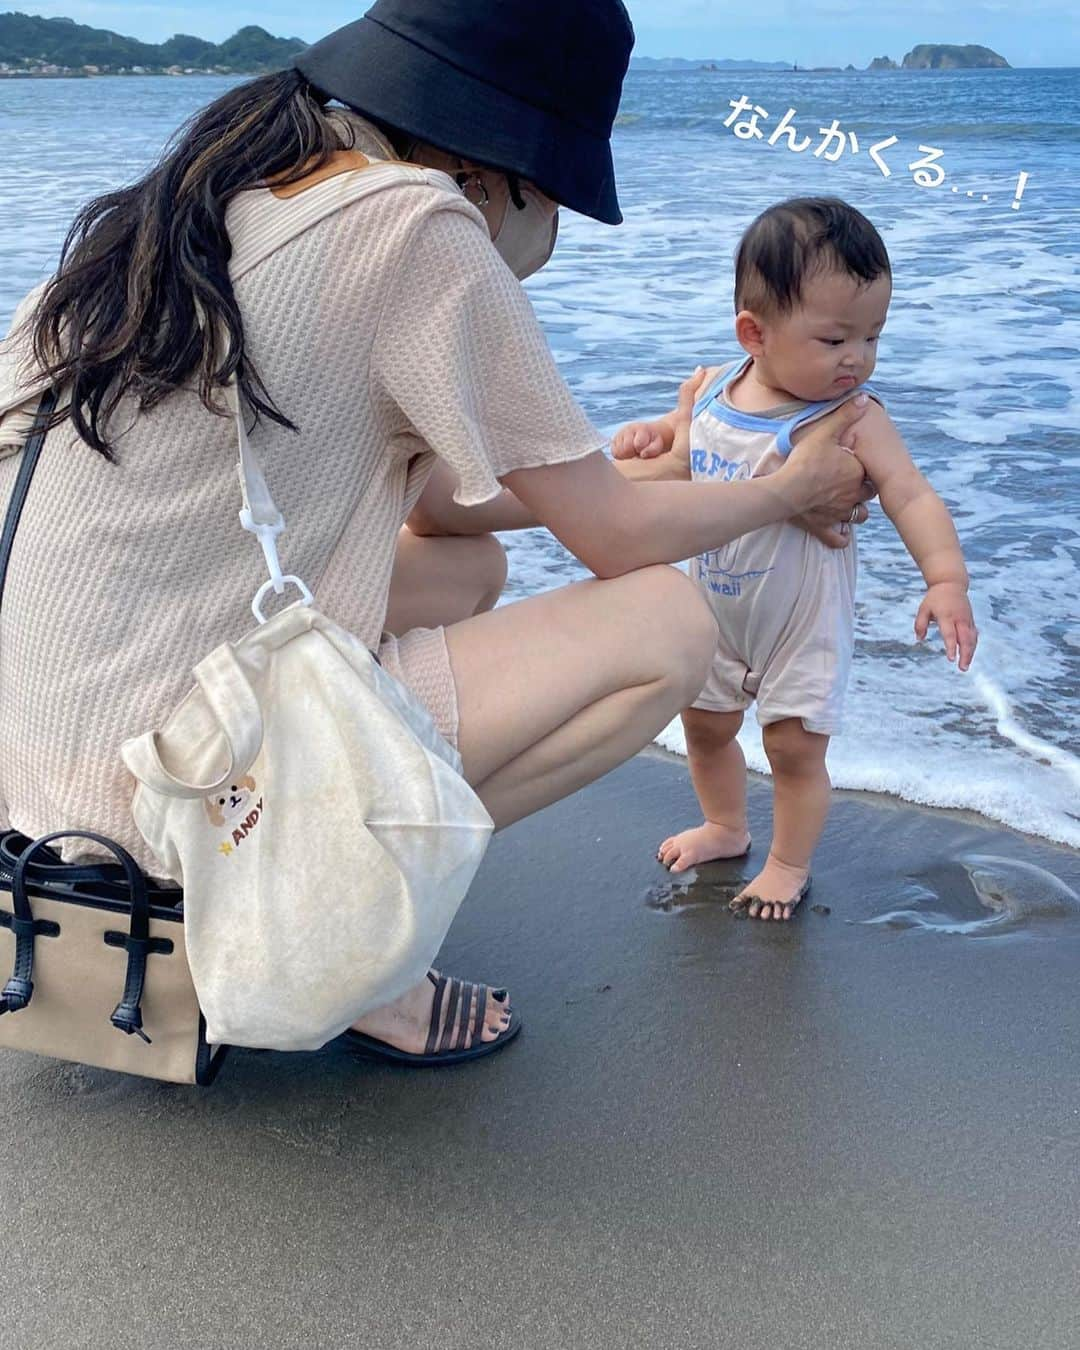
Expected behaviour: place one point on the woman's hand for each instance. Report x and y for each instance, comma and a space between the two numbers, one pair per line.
822, 525
823, 479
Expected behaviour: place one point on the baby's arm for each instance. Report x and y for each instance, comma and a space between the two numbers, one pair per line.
923, 522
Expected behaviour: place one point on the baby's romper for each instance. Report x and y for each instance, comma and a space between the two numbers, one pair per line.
783, 600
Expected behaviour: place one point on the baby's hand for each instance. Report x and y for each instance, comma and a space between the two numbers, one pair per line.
641, 440
647, 440
947, 604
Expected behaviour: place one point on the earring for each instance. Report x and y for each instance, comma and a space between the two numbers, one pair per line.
467, 181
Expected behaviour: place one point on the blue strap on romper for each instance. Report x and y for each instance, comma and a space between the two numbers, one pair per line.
783, 429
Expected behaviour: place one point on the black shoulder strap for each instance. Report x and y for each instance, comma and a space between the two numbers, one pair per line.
30, 455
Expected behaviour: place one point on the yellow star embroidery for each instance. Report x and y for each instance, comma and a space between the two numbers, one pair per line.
225, 848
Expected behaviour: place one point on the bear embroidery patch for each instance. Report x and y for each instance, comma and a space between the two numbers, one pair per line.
234, 807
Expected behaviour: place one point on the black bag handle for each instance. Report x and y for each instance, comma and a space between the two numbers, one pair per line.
17, 993
30, 457
60, 876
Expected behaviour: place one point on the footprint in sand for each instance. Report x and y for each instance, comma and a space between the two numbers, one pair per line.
980, 895
691, 892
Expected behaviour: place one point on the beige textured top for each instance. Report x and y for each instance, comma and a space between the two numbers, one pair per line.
387, 329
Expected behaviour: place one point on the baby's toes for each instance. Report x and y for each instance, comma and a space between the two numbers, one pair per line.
668, 851
684, 862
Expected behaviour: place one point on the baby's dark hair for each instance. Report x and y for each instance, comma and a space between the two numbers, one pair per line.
794, 240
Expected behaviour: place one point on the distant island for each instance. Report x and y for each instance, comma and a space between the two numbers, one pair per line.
926, 56
60, 47
941, 56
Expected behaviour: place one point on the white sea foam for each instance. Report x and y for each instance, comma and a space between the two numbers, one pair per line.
1025, 793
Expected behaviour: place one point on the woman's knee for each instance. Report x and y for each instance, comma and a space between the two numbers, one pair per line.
443, 579
489, 562
682, 625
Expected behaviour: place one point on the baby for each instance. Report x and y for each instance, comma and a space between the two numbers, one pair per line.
812, 290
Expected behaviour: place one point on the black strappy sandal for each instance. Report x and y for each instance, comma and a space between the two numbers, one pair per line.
449, 1047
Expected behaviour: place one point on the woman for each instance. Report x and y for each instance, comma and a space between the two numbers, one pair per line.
376, 337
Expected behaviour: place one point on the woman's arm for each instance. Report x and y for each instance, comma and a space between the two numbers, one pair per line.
659, 451
614, 525
436, 513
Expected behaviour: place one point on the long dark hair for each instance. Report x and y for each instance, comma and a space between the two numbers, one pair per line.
142, 294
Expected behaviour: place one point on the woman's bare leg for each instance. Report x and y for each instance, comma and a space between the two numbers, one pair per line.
552, 693
440, 580
556, 690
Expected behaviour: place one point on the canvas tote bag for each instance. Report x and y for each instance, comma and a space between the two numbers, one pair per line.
317, 820
98, 970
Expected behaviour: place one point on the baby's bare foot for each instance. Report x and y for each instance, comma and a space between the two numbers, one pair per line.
705, 843
775, 892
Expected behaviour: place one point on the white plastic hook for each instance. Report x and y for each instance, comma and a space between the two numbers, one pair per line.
258, 502
306, 598
267, 534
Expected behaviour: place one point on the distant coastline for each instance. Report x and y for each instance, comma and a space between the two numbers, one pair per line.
65, 74
37, 48
925, 56
62, 73
32, 47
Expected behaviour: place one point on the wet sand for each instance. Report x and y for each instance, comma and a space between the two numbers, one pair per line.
859, 1129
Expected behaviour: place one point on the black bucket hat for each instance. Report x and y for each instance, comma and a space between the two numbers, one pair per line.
527, 86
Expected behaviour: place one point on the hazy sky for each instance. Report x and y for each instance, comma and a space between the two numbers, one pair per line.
809, 32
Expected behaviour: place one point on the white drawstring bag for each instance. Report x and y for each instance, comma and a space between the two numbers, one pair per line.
317, 821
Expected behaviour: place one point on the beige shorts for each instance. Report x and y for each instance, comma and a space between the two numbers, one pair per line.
419, 659
804, 682
786, 645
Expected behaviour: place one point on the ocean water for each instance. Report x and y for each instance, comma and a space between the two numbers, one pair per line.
979, 364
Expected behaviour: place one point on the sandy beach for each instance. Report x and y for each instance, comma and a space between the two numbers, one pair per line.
860, 1129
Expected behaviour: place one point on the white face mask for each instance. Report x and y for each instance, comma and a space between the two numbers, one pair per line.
526, 238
